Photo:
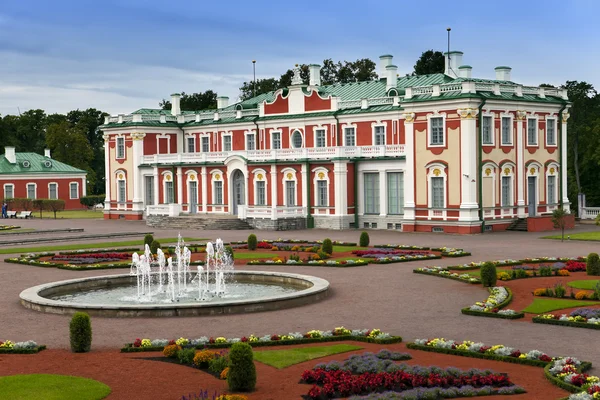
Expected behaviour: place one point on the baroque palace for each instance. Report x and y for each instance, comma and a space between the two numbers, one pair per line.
441, 152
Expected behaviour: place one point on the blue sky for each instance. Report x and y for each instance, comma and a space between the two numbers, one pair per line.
119, 56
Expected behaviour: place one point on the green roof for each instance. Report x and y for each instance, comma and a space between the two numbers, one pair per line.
37, 165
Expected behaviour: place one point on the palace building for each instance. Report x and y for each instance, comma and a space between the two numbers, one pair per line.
441, 152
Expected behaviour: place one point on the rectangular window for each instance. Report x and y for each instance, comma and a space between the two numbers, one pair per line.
31, 190
437, 192
226, 143
149, 186
191, 144
250, 142
261, 195
276, 140
437, 131
532, 131
371, 193
506, 192
218, 196
506, 130
9, 191
486, 131
379, 136
205, 144
73, 190
395, 193
320, 140
550, 132
349, 137
120, 147
169, 193
53, 191
551, 190
121, 194
322, 194
290, 193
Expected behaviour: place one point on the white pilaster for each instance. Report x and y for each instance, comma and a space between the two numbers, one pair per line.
108, 178
274, 185
340, 187
156, 183
521, 210
409, 175
204, 189
563, 162
468, 164
305, 183
382, 193
83, 187
179, 186
137, 151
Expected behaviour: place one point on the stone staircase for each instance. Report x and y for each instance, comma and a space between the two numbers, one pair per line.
197, 222
519, 225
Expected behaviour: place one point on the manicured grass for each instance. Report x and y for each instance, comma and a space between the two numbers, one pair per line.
284, 358
51, 387
541, 306
16, 230
71, 214
590, 285
593, 236
343, 249
81, 246
253, 255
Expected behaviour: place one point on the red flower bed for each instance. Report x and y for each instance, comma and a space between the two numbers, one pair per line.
264, 245
575, 266
118, 256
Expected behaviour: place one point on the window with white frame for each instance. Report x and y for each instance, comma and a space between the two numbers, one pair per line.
550, 132
379, 136
551, 189
297, 139
250, 141
487, 130
227, 143
120, 147
9, 191
73, 190
395, 193
53, 191
121, 191
290, 193
437, 192
506, 191
349, 136
531, 131
436, 131
169, 192
31, 190
205, 141
218, 192
371, 193
506, 127
261, 193
191, 144
322, 193
320, 138
276, 140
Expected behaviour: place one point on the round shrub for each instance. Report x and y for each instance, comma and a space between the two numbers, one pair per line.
364, 239
327, 246
488, 274
186, 356
229, 252
218, 363
171, 350
252, 241
322, 255
592, 265
148, 239
80, 333
154, 246
242, 372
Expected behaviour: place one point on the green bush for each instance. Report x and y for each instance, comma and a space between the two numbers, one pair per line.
186, 356
252, 241
242, 371
154, 246
218, 364
327, 246
80, 333
559, 290
229, 252
593, 264
148, 239
322, 255
92, 200
521, 273
364, 239
488, 274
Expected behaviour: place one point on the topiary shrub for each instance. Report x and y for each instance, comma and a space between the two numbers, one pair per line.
154, 246
327, 246
488, 274
592, 265
80, 333
148, 239
252, 241
229, 252
242, 372
364, 239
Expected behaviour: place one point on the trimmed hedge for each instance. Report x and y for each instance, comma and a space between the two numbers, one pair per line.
252, 241
355, 264
540, 320
401, 247
593, 264
562, 384
80, 330
22, 351
446, 276
364, 239
500, 306
488, 274
463, 254
242, 371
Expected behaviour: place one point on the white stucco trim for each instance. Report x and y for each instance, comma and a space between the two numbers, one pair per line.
260, 175
343, 132
76, 190
322, 127
321, 174
12, 186
488, 113
272, 133
536, 118
436, 114
289, 175
507, 114
291, 133
375, 125
35, 196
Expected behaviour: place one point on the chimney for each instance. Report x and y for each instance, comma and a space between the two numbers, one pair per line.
9, 153
464, 71
503, 73
314, 71
391, 73
175, 104
453, 61
384, 61
222, 102
47, 153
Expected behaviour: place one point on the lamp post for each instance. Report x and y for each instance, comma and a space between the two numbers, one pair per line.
254, 82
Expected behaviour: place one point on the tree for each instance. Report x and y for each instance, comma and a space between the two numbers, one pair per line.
55, 206
430, 62
30, 131
559, 219
329, 72
262, 86
363, 70
194, 102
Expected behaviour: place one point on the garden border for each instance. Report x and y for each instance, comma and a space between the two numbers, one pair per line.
572, 324
500, 306
23, 351
478, 282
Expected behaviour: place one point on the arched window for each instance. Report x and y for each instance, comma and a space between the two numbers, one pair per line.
297, 139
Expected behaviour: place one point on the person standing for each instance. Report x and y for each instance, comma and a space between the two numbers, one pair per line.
4, 210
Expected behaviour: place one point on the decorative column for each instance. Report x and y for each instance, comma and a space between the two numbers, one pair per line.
155, 186
179, 186
382, 193
520, 172
563, 162
204, 190
305, 183
274, 185
340, 188
107, 172
137, 151
469, 206
409, 173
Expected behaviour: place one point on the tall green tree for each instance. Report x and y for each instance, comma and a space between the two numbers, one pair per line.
194, 102
262, 86
31, 130
430, 62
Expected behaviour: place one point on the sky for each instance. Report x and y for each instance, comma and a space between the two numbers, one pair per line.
119, 56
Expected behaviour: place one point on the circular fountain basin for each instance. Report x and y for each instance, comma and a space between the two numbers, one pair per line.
290, 290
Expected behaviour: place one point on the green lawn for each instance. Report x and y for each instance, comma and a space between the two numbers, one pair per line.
284, 358
343, 249
81, 246
16, 230
593, 236
71, 214
591, 285
541, 306
51, 387
251, 255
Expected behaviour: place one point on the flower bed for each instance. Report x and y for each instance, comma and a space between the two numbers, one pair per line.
568, 373
90, 258
580, 318
296, 241
493, 306
314, 336
373, 253
8, 227
451, 252
312, 263
34, 259
572, 264
445, 273
28, 347
400, 246
399, 259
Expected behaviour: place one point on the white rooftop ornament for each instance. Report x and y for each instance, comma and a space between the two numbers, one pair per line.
296, 80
